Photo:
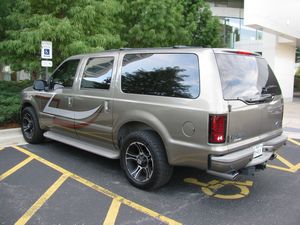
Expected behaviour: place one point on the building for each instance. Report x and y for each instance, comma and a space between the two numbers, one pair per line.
271, 28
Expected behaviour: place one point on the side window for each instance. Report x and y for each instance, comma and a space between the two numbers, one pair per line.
173, 75
66, 73
97, 73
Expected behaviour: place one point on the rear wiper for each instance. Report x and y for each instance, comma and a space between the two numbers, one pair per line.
266, 88
258, 99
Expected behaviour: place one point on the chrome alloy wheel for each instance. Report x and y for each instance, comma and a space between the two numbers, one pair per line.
139, 162
27, 125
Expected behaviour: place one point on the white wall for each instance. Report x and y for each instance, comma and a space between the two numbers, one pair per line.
227, 12
284, 68
22, 75
250, 45
280, 22
278, 16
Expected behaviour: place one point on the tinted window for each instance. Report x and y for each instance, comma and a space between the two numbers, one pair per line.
175, 75
246, 76
66, 73
97, 73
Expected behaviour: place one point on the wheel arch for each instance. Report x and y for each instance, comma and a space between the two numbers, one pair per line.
34, 107
138, 125
133, 126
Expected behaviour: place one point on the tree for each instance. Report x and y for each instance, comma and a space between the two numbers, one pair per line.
74, 27
151, 23
204, 28
81, 26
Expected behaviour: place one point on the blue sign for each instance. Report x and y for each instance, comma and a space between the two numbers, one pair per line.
46, 51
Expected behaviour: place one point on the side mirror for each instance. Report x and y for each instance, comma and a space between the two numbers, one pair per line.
40, 85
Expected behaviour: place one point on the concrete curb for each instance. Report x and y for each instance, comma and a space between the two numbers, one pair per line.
12, 136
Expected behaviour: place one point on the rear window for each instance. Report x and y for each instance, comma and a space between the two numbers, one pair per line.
245, 77
172, 75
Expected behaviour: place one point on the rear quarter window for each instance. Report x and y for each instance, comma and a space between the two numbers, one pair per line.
172, 75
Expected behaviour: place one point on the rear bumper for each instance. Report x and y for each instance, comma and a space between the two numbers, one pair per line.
244, 158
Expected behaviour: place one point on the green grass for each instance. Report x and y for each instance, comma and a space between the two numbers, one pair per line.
10, 100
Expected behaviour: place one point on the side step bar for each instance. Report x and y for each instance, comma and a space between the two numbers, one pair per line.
227, 176
108, 153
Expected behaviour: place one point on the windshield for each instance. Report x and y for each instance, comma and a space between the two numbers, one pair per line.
246, 77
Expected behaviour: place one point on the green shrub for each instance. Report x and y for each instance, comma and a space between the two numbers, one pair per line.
10, 100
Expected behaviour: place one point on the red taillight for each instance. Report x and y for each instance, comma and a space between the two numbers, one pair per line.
217, 128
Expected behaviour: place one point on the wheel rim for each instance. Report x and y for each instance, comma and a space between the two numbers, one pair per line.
139, 162
27, 125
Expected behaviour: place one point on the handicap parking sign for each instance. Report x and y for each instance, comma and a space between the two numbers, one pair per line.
46, 50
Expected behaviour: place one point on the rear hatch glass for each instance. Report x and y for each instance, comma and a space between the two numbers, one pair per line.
246, 77
253, 94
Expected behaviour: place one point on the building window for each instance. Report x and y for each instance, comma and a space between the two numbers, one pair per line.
234, 30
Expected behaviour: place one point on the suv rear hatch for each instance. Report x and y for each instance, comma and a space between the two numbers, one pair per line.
253, 95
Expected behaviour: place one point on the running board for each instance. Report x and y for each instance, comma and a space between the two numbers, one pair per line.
108, 153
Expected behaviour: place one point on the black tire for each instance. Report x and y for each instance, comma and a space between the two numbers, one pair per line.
144, 160
30, 127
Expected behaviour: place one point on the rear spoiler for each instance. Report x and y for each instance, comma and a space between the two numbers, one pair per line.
235, 51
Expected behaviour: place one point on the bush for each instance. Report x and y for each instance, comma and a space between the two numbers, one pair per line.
10, 100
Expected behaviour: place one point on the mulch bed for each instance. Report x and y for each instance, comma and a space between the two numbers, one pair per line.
9, 125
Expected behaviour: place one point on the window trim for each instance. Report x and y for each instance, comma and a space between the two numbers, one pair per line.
76, 73
161, 53
83, 69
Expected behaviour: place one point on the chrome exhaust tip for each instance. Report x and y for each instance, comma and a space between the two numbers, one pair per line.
273, 156
227, 176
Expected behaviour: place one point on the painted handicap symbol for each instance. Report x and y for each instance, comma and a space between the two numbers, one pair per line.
212, 188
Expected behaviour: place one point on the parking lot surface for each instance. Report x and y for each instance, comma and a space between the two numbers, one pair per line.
54, 183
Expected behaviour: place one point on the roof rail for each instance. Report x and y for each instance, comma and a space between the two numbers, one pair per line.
186, 46
180, 46
123, 49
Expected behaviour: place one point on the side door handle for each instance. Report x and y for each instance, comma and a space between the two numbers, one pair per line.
106, 106
70, 101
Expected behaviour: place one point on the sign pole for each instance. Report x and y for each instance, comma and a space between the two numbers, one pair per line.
46, 73
46, 56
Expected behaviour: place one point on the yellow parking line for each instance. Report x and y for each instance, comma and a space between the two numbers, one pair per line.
15, 168
284, 161
40, 202
294, 142
100, 189
112, 213
44, 161
280, 168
